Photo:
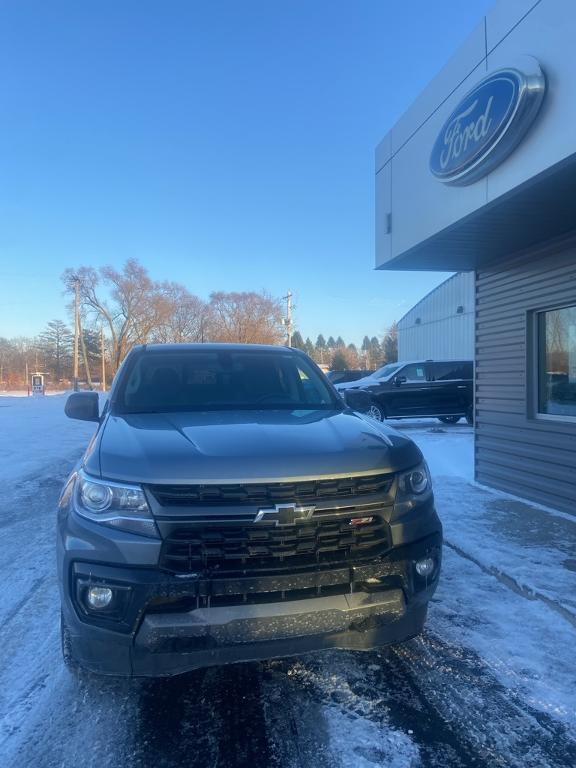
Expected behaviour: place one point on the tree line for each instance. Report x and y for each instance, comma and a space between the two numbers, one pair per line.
126, 307
336, 355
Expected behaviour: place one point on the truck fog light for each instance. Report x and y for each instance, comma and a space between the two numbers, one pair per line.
425, 566
99, 597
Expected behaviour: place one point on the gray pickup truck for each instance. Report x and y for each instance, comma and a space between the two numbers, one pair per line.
233, 506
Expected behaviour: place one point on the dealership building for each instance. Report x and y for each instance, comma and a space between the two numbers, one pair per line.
479, 175
441, 325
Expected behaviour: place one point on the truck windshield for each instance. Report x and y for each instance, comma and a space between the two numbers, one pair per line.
190, 380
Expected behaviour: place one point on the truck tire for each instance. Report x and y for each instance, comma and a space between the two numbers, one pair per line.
470, 415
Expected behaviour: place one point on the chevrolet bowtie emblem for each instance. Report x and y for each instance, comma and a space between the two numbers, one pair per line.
284, 514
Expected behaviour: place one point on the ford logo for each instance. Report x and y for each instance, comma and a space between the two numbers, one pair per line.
487, 125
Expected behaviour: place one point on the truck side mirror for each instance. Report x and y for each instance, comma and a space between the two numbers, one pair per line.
82, 406
357, 399
399, 380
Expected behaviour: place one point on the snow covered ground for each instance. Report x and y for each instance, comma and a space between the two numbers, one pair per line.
490, 683
523, 551
34, 433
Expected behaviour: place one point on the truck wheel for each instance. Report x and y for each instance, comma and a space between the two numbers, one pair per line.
470, 415
70, 660
449, 419
376, 411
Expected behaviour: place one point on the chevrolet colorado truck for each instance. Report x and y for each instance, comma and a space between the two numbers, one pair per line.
233, 506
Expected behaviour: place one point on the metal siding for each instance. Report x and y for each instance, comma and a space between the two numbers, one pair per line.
442, 333
515, 451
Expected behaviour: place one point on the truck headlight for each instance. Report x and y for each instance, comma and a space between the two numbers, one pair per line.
117, 505
414, 487
417, 481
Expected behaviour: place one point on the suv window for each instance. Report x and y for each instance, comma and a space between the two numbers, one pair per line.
413, 372
451, 371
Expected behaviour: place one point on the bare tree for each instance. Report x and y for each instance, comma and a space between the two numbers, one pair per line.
182, 317
135, 310
246, 317
131, 310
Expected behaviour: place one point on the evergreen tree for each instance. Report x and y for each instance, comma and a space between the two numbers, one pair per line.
375, 349
55, 345
298, 341
340, 342
309, 347
331, 343
390, 344
340, 361
320, 351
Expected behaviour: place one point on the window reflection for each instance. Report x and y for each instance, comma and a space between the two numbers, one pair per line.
557, 362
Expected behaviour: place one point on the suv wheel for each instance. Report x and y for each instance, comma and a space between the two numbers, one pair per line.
67, 653
376, 411
449, 419
470, 415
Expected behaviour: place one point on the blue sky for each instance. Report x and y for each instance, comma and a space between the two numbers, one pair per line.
226, 144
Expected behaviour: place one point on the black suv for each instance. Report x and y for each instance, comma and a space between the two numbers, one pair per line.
441, 388
233, 506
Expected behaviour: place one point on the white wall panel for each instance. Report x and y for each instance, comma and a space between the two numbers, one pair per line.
383, 208
441, 333
469, 56
503, 17
421, 205
548, 34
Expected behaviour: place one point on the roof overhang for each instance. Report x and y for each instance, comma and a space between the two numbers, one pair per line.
542, 208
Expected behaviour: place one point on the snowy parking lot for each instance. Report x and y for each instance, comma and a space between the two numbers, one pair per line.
492, 682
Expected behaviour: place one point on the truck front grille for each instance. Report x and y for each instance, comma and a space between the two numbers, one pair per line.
241, 547
260, 493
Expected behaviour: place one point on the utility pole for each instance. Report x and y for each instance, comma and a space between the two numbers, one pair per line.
288, 320
103, 358
76, 329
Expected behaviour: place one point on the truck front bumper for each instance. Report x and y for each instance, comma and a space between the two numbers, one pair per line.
166, 626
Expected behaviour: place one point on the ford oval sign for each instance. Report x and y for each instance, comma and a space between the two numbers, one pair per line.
487, 125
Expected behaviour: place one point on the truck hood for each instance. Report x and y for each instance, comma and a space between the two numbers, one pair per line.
253, 446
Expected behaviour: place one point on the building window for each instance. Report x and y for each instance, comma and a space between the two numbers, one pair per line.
557, 362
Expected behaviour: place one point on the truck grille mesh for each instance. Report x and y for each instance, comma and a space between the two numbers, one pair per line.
264, 547
258, 493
